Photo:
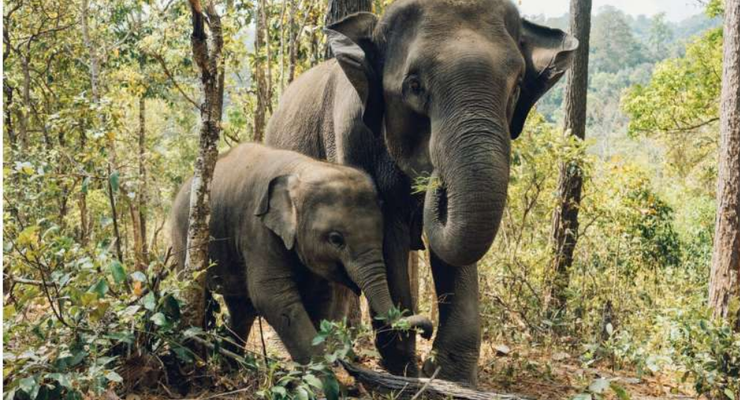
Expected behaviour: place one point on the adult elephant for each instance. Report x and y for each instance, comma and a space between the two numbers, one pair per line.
433, 89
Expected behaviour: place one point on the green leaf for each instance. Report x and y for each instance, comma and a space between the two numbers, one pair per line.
325, 326
313, 381
331, 386
301, 393
183, 353
138, 276
100, 288
598, 386
620, 391
85, 185
730, 395
118, 271
29, 386
320, 338
171, 307
113, 377
62, 379
150, 302
159, 319
279, 390
114, 181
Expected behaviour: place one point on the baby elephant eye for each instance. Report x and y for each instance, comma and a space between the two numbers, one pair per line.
336, 239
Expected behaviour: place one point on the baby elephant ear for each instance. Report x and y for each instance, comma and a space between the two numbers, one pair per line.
276, 209
548, 54
350, 39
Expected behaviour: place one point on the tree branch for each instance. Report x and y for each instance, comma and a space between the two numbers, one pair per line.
171, 77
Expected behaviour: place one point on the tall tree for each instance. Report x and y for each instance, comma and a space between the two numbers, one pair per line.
565, 218
725, 276
261, 70
208, 55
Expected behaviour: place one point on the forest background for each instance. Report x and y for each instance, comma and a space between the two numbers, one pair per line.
101, 128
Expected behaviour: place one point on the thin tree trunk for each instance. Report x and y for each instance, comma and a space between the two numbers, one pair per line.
259, 74
565, 217
112, 201
8, 99
82, 199
725, 276
26, 101
268, 57
143, 250
339, 9
292, 38
94, 67
283, 9
208, 56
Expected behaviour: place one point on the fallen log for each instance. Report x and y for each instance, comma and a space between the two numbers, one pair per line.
427, 388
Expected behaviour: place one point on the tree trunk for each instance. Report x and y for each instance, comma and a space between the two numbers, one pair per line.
142, 256
565, 217
82, 199
293, 39
339, 9
260, 80
208, 56
8, 99
724, 282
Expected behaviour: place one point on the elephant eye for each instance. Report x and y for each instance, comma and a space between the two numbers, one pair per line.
414, 85
336, 239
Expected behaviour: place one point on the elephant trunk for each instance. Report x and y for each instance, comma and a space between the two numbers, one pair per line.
462, 211
369, 273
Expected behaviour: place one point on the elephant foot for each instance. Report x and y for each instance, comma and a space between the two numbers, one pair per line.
453, 368
398, 356
401, 367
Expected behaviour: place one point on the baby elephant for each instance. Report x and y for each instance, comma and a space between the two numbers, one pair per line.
288, 235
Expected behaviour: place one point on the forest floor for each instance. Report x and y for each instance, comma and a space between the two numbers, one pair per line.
539, 373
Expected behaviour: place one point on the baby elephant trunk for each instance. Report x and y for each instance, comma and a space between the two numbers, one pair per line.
369, 273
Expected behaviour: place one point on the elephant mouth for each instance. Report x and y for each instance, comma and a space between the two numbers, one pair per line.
345, 280
439, 202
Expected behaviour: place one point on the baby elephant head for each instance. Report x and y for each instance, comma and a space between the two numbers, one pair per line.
331, 217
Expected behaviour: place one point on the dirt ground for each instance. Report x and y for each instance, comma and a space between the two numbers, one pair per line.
532, 372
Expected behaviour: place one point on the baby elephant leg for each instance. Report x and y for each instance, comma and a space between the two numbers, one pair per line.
277, 298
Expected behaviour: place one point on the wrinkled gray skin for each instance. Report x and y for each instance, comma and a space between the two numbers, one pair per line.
434, 88
288, 232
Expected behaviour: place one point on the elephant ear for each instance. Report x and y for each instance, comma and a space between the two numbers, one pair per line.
276, 209
548, 54
350, 39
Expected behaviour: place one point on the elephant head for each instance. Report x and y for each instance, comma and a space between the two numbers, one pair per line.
449, 83
331, 217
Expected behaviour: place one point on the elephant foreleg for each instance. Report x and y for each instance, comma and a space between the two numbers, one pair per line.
397, 350
457, 344
276, 296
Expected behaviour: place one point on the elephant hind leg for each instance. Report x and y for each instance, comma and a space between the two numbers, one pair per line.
241, 317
